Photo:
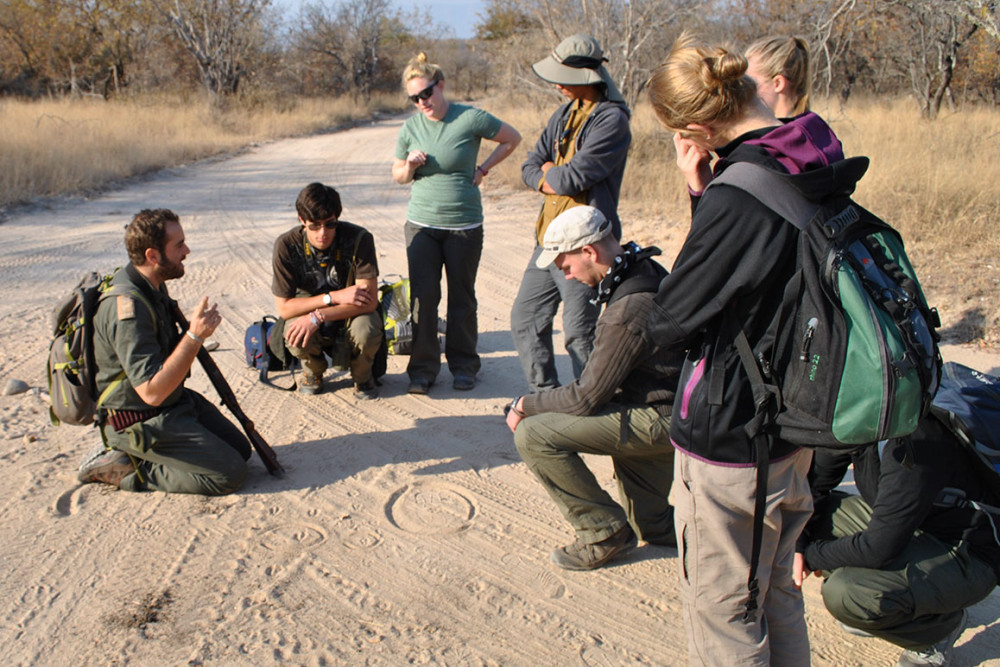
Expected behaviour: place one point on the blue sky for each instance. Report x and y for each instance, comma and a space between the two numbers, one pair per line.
459, 14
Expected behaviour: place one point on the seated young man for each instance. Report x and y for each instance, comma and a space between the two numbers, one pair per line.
903, 560
326, 293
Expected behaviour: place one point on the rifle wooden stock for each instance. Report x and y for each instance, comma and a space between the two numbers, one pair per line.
225, 392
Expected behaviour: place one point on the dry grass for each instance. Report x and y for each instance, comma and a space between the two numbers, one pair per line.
60, 146
929, 178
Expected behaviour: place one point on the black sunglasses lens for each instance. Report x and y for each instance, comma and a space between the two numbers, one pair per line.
424, 94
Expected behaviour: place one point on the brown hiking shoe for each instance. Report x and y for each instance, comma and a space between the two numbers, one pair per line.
310, 384
366, 391
108, 466
580, 556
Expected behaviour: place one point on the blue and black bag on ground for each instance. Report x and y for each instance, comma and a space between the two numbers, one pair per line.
968, 403
264, 348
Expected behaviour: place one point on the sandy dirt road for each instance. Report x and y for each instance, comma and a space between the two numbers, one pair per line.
406, 531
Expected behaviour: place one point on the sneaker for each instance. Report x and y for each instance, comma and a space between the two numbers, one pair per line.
366, 391
310, 384
936, 654
464, 382
108, 466
580, 556
419, 386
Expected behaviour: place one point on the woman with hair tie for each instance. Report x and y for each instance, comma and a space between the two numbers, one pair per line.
780, 68
729, 277
437, 151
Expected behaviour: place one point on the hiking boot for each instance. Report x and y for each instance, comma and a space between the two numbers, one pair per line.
310, 384
419, 386
464, 382
108, 466
936, 654
366, 391
580, 556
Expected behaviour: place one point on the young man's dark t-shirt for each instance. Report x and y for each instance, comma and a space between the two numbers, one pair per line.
301, 270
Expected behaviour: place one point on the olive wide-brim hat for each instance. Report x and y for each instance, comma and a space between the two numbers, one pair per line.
578, 61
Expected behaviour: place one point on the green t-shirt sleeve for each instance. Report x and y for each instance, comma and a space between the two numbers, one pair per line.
485, 124
135, 339
403, 142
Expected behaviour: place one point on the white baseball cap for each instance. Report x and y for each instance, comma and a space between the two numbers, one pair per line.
571, 230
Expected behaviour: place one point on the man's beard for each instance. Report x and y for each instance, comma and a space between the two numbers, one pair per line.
170, 270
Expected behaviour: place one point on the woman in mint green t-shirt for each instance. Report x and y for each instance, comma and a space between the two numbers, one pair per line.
437, 151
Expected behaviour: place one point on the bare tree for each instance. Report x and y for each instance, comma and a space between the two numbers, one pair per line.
349, 42
985, 14
219, 35
933, 33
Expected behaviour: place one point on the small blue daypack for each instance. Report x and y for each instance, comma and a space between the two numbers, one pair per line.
260, 354
968, 403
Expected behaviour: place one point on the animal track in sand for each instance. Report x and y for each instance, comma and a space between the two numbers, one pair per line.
430, 508
293, 534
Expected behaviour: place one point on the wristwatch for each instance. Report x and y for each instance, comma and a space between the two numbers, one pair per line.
327, 299
513, 408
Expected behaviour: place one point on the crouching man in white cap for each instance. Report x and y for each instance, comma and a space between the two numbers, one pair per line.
619, 407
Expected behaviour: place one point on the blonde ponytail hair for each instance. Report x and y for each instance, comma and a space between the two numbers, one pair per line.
418, 67
700, 84
789, 57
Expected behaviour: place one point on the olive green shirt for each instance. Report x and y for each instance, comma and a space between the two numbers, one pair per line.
134, 333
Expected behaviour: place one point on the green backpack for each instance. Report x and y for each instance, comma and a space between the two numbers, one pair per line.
71, 366
854, 356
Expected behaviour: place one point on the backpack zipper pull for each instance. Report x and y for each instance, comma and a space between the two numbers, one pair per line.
810, 330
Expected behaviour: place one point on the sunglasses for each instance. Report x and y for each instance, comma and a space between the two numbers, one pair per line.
424, 94
316, 226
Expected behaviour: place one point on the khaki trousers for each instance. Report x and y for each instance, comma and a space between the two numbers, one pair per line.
713, 516
365, 336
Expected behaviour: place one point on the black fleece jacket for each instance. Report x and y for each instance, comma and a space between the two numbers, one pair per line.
732, 271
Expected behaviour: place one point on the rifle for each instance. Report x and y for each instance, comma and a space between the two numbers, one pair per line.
225, 392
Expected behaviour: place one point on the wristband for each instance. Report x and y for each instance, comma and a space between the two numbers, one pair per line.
312, 318
194, 337
484, 172
319, 315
